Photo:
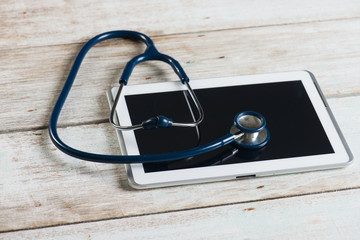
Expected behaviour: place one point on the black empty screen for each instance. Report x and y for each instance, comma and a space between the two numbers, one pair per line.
295, 129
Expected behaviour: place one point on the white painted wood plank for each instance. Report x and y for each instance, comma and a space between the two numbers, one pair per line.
333, 215
40, 186
39, 23
32, 78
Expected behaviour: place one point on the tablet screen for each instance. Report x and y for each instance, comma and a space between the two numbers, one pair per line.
295, 129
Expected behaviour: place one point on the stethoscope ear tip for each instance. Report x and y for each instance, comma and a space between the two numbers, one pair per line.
250, 130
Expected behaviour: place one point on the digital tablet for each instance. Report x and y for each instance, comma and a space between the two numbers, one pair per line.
304, 135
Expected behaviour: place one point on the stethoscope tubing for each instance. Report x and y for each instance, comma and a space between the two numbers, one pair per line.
150, 54
163, 157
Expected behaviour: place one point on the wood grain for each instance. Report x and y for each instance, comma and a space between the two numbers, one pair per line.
32, 78
321, 216
39, 23
40, 186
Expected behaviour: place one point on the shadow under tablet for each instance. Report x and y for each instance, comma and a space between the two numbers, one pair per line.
295, 129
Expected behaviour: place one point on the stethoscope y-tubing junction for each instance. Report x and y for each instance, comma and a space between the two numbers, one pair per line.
150, 54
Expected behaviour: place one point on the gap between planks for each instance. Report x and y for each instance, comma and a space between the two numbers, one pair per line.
325, 216
37, 22
59, 126
185, 209
191, 33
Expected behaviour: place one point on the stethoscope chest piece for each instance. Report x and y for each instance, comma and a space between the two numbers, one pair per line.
250, 129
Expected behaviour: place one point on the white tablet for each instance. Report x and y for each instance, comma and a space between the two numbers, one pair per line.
304, 133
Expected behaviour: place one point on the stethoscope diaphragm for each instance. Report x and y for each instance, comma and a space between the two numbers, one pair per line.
250, 130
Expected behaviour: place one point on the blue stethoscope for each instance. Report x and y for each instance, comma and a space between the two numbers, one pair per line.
249, 130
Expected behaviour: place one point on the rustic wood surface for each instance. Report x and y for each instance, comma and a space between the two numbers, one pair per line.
322, 216
41, 188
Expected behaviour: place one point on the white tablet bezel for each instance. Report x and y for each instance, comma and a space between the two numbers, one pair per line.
139, 179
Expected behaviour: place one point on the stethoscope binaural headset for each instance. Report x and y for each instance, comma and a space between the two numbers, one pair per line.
249, 129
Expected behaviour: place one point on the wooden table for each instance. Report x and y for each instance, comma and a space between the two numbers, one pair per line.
46, 194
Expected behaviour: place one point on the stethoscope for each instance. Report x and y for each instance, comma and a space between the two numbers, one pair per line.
248, 131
